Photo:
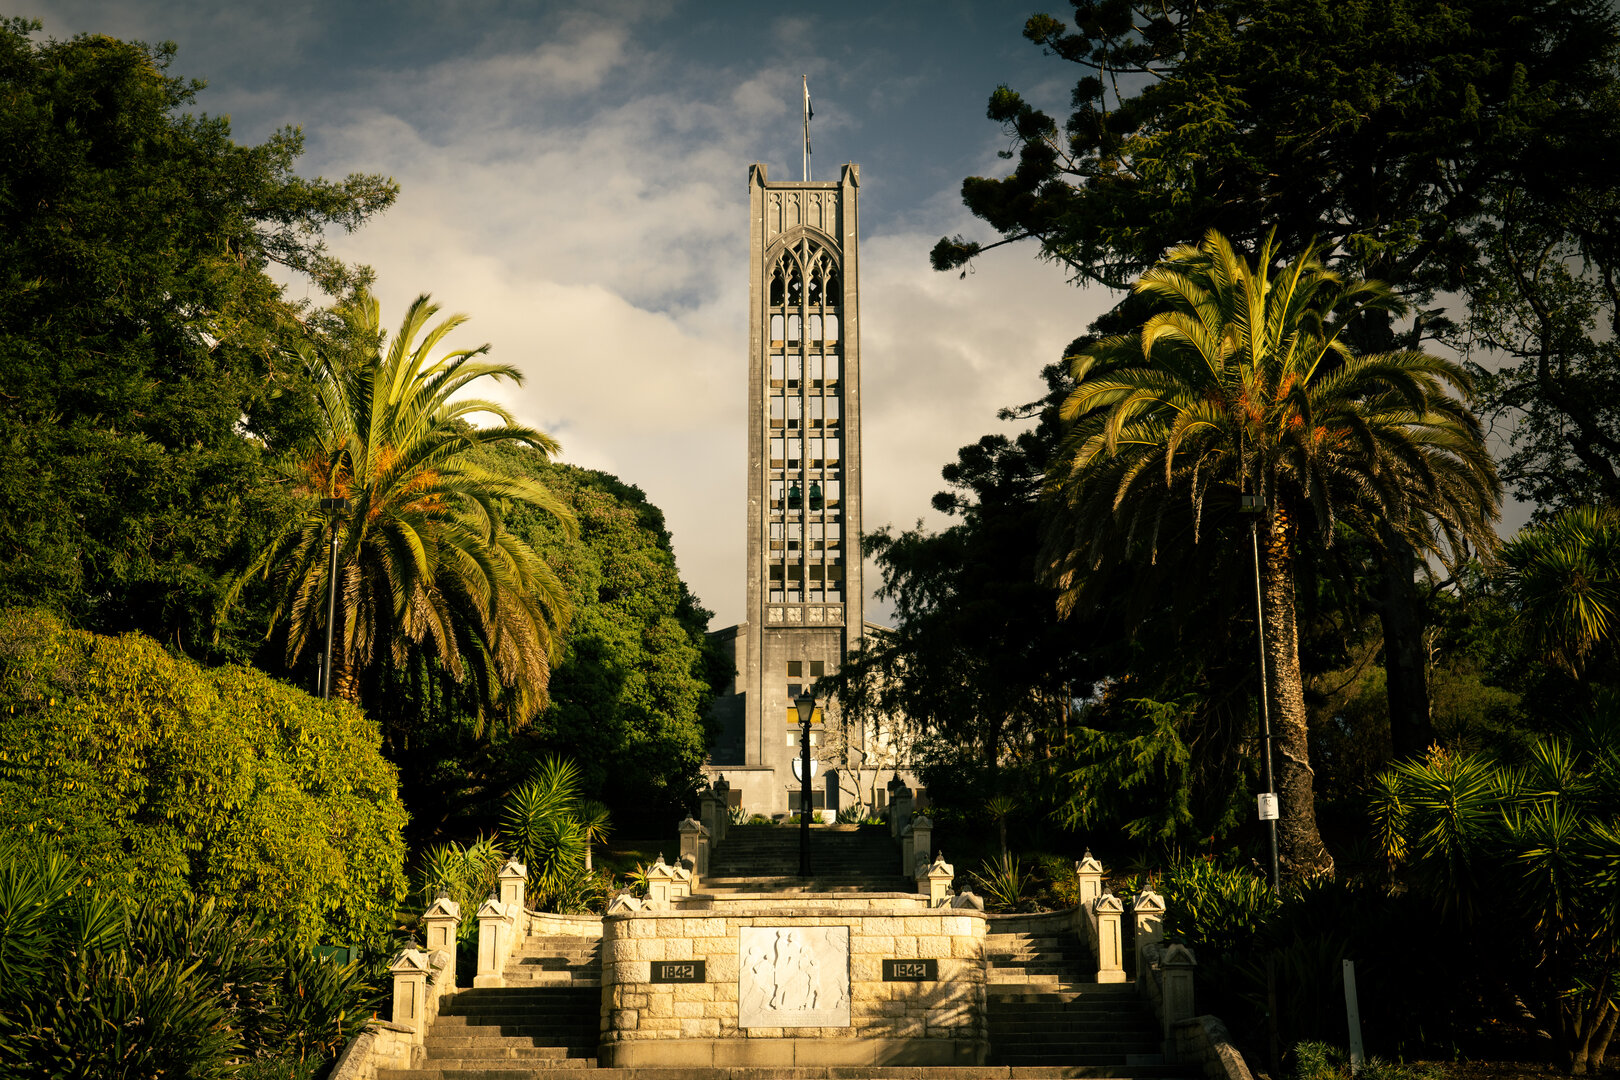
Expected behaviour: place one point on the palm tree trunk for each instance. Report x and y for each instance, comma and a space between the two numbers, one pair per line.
1299, 844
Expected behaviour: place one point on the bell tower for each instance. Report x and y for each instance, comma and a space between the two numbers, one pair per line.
804, 588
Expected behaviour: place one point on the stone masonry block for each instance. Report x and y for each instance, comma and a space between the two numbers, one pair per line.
872, 945
958, 925
618, 950
676, 949
694, 992
625, 1020
933, 946
688, 1010
764, 1033
967, 948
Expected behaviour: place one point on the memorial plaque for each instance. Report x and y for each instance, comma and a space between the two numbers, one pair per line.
910, 970
793, 976
677, 971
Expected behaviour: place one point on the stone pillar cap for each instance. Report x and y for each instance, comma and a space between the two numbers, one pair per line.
1088, 865
513, 869
1178, 955
1148, 902
623, 904
409, 962
443, 908
922, 821
720, 784
660, 870
906, 828
492, 909
966, 899
691, 825
940, 868
1107, 903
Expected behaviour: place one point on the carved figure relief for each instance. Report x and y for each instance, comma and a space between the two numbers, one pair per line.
793, 976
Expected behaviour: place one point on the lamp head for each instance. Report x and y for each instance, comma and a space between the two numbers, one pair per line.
805, 703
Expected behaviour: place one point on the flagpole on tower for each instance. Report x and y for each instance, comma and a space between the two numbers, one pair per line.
807, 115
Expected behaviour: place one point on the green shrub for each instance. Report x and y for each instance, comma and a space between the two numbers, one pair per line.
852, 815
1058, 885
169, 988
1319, 1061
167, 780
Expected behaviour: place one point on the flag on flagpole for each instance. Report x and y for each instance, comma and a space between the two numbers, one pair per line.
808, 114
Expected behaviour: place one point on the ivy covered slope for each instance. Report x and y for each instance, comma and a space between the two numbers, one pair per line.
165, 779
630, 697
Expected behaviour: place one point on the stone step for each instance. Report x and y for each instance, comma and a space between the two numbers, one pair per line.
491, 1050
968, 1072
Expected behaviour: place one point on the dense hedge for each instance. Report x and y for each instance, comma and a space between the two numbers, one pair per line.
168, 780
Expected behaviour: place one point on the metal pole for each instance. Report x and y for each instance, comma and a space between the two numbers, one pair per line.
804, 793
1265, 708
331, 612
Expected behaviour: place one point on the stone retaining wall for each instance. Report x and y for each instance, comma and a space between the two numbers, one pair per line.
936, 1022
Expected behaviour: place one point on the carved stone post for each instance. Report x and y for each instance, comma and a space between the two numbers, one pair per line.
935, 879
908, 851
1148, 913
922, 841
1176, 982
1090, 873
695, 846
493, 943
722, 817
899, 809
514, 878
1110, 951
443, 921
410, 972
660, 878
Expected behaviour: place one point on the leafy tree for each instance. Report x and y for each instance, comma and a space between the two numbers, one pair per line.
164, 779
1392, 134
1242, 383
140, 331
631, 693
423, 558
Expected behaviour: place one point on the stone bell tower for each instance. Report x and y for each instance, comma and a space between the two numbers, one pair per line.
804, 597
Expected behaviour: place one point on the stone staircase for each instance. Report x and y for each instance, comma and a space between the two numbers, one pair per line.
765, 858
1046, 1009
545, 1022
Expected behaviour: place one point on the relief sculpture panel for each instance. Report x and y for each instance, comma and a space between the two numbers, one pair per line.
793, 976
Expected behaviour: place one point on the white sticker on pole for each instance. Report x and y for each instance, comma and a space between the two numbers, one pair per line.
1267, 801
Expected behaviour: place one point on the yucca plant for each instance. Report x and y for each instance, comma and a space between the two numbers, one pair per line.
1005, 883
466, 875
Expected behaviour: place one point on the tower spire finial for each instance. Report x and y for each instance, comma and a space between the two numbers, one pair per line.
808, 114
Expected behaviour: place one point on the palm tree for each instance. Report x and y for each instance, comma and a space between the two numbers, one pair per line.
423, 558
1241, 383
1564, 577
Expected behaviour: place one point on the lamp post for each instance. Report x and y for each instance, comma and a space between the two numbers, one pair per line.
332, 507
1254, 506
805, 703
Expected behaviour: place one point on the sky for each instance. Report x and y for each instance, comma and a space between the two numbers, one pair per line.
574, 178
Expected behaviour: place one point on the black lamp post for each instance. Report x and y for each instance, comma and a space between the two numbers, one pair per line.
332, 507
1254, 506
806, 704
